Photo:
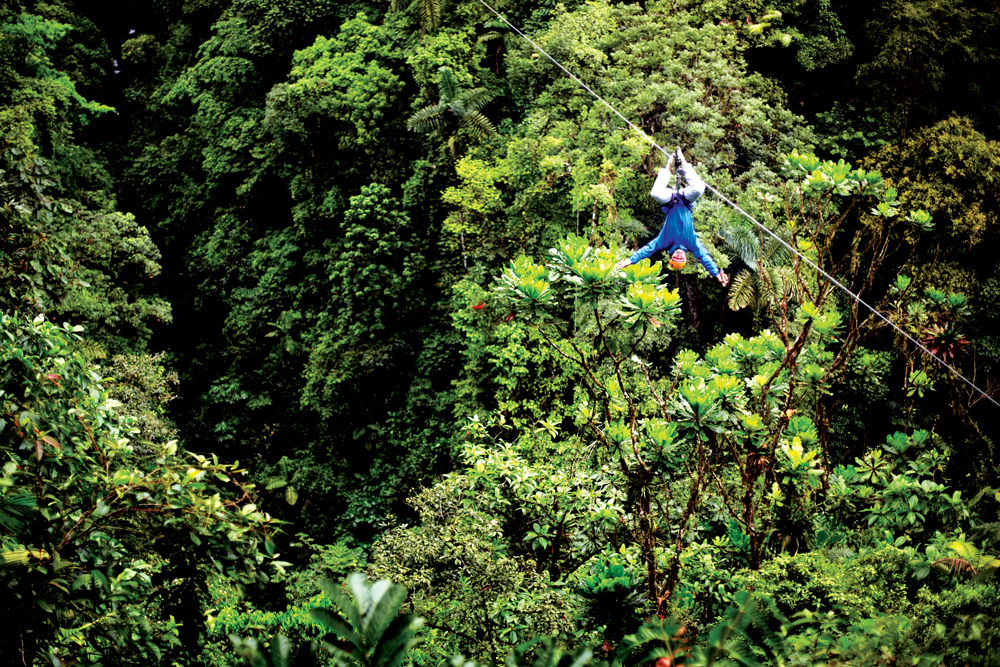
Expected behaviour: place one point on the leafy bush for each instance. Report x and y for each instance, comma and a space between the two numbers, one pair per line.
106, 546
873, 581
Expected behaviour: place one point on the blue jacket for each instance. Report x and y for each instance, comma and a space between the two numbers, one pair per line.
678, 227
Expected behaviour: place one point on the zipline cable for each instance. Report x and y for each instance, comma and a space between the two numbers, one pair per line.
745, 214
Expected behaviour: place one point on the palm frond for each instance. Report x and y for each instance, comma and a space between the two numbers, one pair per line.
789, 284
771, 285
479, 124
16, 510
398, 5
428, 119
447, 86
22, 556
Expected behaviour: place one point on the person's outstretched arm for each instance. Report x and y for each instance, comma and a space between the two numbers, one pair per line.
701, 253
642, 253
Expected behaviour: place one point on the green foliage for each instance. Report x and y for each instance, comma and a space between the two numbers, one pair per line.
375, 274
745, 458
918, 45
813, 31
949, 170
37, 36
341, 80
298, 620
325, 561
314, 270
609, 577
614, 595
115, 523
478, 596
566, 161
235, 612
768, 278
332, 272
364, 629
145, 389
68, 252
847, 130
855, 583
428, 12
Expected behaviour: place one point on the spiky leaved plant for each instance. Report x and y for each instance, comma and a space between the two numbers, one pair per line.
375, 634
369, 631
464, 105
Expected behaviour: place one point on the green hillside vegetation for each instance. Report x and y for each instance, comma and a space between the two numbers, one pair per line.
315, 350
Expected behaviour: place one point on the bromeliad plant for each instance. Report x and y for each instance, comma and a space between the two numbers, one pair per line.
614, 595
528, 285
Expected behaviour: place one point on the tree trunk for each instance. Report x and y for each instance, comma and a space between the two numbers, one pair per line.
691, 287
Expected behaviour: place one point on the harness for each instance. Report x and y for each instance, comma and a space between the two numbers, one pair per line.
676, 198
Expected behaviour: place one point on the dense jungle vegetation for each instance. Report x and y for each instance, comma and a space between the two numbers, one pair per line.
300, 296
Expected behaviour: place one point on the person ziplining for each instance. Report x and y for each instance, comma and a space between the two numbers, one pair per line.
677, 236
695, 243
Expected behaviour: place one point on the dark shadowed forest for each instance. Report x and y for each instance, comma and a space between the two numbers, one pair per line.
321, 343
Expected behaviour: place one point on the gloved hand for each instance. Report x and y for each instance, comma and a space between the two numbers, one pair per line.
681, 155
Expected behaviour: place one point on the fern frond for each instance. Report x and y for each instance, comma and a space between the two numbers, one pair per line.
741, 239
475, 100
91, 350
428, 119
955, 565
775, 253
725, 641
488, 37
430, 12
743, 291
447, 86
479, 124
